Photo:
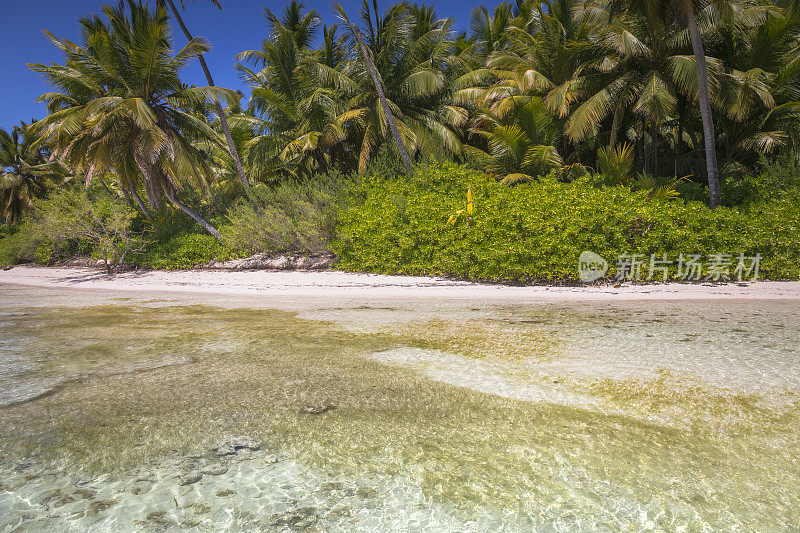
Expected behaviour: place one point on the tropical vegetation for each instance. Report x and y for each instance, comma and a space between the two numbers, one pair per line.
534, 232
678, 116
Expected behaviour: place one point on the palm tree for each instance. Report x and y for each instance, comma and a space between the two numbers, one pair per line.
414, 60
638, 77
291, 112
685, 10
377, 83
685, 13
544, 56
121, 106
25, 171
521, 142
490, 30
223, 119
759, 91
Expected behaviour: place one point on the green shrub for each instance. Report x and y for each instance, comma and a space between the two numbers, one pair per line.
75, 221
536, 231
19, 245
30, 243
294, 217
779, 179
183, 251
77, 218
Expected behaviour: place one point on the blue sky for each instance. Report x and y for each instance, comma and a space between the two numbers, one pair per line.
239, 26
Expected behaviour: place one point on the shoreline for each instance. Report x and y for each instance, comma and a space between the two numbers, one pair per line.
335, 284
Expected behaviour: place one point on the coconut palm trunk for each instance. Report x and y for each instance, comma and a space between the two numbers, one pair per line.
186, 209
373, 73
141, 205
159, 185
704, 100
223, 120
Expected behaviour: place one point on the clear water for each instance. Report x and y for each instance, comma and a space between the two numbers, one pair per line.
396, 416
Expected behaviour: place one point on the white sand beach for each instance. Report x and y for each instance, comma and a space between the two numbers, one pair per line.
331, 284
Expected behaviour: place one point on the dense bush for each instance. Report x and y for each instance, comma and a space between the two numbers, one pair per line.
73, 222
537, 231
386, 222
21, 245
93, 217
778, 180
183, 251
294, 217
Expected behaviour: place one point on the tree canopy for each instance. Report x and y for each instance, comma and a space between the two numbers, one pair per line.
530, 87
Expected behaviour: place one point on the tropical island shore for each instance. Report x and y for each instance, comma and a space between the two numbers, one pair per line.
332, 284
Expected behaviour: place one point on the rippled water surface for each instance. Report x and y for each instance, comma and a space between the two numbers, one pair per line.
396, 416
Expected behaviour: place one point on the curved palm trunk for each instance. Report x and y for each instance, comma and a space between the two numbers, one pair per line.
373, 72
186, 209
158, 183
142, 206
704, 100
223, 120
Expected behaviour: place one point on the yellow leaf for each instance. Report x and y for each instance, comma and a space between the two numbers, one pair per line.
470, 204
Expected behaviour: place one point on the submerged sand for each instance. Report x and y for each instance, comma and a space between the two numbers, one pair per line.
359, 285
413, 414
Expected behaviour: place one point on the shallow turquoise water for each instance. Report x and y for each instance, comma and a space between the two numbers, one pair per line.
387, 416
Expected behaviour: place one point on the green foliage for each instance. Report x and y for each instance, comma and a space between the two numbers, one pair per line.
76, 216
520, 142
20, 245
655, 188
617, 163
295, 217
73, 222
183, 251
778, 179
536, 231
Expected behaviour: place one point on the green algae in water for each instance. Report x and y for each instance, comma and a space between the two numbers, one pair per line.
399, 448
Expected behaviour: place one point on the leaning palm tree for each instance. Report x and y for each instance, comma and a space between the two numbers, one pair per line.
223, 119
685, 11
25, 171
121, 107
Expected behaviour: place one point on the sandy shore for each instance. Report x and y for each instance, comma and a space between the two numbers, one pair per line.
341, 284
